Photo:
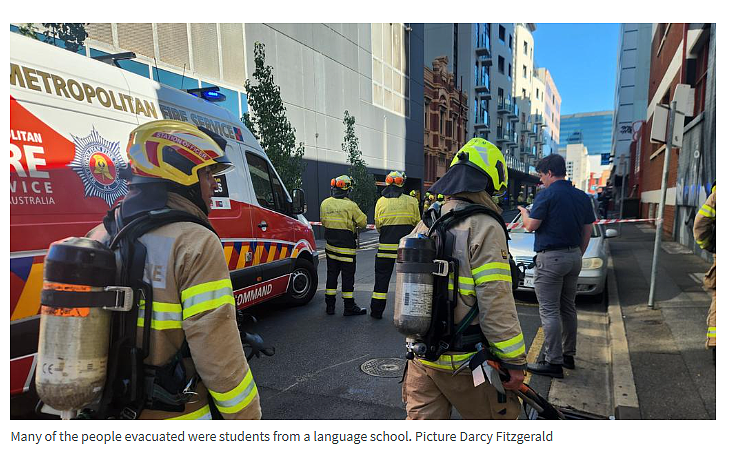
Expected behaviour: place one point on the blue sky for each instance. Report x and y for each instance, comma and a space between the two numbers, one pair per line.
581, 59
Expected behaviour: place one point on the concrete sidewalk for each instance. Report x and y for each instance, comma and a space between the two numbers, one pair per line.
673, 374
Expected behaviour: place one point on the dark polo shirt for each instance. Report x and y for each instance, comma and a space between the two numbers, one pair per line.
564, 211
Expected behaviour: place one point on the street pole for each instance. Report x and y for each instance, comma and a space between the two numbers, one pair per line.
622, 192
662, 203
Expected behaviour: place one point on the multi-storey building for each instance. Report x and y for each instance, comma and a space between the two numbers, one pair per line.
680, 53
481, 57
446, 119
631, 99
593, 129
551, 113
522, 88
375, 71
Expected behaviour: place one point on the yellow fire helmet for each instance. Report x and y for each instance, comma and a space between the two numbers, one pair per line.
486, 157
342, 182
440, 197
412, 193
396, 178
175, 151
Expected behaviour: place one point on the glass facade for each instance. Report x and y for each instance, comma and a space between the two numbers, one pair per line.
594, 130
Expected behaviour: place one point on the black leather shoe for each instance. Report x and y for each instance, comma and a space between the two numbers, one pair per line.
355, 311
568, 362
375, 314
546, 369
330, 309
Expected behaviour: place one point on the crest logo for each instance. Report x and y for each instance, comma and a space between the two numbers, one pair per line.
97, 162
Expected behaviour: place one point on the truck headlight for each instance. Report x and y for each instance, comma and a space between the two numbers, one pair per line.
591, 263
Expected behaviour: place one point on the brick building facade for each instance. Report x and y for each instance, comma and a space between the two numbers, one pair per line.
665, 74
446, 120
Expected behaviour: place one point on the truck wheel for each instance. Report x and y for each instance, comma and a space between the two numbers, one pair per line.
303, 282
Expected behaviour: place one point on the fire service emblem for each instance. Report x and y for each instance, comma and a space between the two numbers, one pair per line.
97, 162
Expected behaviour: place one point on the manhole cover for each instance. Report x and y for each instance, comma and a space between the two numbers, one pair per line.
384, 368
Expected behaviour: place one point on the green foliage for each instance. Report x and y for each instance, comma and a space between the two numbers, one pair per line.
28, 30
73, 34
364, 192
268, 121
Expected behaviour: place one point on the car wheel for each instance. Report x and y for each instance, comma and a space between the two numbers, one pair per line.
303, 282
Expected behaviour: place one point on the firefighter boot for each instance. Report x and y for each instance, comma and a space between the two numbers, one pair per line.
376, 308
351, 309
330, 304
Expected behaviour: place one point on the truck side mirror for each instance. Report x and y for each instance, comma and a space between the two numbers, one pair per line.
298, 202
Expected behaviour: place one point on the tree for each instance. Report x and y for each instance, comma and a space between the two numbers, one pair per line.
364, 192
73, 34
268, 121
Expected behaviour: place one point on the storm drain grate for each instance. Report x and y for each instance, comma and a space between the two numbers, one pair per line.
384, 368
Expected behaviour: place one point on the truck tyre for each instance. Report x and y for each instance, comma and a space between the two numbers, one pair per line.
303, 282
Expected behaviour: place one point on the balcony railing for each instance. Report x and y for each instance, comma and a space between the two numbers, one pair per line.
504, 106
514, 113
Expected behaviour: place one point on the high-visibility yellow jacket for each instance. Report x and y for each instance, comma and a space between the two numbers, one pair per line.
705, 235
395, 217
341, 217
484, 278
705, 221
193, 301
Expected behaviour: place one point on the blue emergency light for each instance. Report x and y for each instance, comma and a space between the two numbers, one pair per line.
210, 93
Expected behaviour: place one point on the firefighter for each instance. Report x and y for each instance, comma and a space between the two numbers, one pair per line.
173, 165
704, 229
428, 200
480, 246
395, 216
341, 218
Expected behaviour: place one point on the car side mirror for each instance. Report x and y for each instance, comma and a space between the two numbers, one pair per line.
298, 202
611, 233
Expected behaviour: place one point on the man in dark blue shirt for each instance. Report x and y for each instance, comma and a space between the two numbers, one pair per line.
561, 218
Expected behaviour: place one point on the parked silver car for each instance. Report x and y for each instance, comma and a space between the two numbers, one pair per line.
593, 276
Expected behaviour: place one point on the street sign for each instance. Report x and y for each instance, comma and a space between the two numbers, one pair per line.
684, 95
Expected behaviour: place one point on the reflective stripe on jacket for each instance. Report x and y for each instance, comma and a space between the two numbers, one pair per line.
705, 220
341, 218
193, 301
394, 219
484, 278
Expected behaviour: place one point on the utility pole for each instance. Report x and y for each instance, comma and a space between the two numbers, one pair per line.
662, 203
622, 190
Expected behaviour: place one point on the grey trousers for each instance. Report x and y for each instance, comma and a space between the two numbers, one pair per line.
556, 276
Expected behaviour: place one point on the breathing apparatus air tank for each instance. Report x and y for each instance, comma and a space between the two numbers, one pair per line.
414, 292
75, 325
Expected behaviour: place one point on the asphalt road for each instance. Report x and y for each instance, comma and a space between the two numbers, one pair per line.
316, 371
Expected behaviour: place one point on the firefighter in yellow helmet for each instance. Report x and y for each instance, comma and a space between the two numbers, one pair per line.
341, 218
193, 320
704, 229
480, 246
395, 216
428, 200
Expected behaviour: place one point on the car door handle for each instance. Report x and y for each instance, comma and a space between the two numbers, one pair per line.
263, 225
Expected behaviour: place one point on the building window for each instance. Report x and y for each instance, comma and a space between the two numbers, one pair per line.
502, 34
524, 71
525, 48
510, 41
483, 35
390, 73
701, 75
524, 93
537, 93
510, 72
501, 65
501, 96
